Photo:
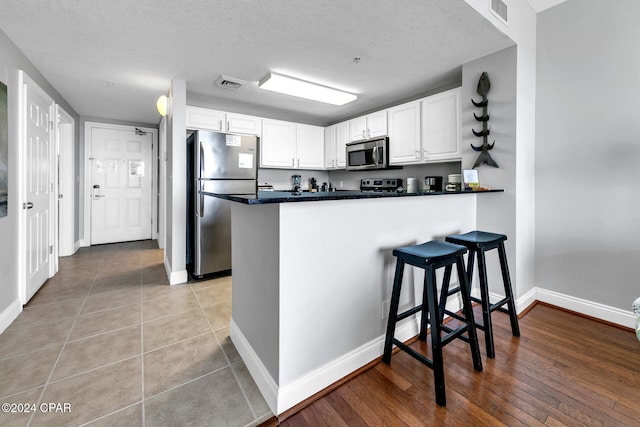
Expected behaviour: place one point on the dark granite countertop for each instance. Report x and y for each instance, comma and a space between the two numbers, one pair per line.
263, 197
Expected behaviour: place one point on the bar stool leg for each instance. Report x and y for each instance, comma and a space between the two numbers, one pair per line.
513, 317
486, 304
436, 344
424, 314
470, 260
468, 314
393, 311
444, 291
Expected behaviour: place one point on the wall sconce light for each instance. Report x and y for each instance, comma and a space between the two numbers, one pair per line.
162, 105
304, 89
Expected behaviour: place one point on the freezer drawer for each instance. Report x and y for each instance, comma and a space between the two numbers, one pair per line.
212, 240
227, 186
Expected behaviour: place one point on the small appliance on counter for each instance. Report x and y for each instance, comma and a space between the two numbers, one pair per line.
432, 184
296, 181
412, 185
381, 185
455, 182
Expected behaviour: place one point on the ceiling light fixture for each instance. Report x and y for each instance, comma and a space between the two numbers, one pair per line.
162, 105
304, 89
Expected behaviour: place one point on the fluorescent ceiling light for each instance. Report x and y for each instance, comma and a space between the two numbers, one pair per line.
303, 89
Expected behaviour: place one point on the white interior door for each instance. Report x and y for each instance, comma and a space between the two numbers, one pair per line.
38, 185
121, 194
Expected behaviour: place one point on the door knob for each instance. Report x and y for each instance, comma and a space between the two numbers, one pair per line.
27, 205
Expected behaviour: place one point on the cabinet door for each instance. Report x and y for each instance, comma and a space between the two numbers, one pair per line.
278, 144
240, 123
404, 133
204, 118
342, 137
377, 124
358, 128
330, 147
310, 147
441, 126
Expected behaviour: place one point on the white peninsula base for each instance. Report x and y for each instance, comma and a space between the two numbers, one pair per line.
312, 283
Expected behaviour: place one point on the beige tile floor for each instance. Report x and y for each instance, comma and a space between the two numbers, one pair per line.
109, 337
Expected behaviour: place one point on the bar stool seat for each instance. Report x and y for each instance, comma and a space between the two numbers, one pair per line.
478, 242
431, 256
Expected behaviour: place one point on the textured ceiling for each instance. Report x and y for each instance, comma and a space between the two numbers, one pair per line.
406, 48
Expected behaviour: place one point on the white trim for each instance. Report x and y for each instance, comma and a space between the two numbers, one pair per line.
86, 184
285, 397
589, 308
65, 142
175, 277
9, 314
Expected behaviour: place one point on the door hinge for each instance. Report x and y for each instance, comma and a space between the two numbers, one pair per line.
51, 124
51, 186
50, 249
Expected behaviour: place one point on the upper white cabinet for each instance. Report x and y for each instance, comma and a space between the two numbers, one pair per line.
441, 123
291, 145
310, 146
369, 126
404, 134
335, 140
427, 130
220, 121
204, 118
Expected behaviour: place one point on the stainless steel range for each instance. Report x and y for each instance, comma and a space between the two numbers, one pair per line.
380, 185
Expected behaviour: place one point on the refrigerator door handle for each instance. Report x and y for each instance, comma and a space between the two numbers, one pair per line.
201, 159
201, 207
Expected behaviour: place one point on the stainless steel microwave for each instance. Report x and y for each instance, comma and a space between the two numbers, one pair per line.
368, 154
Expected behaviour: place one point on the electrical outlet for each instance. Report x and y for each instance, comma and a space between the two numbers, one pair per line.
341, 184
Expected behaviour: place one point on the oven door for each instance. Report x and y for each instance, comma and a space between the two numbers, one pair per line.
367, 154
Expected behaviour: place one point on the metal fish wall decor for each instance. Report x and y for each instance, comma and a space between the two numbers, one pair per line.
484, 158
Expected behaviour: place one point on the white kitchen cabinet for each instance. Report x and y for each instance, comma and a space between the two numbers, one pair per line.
204, 118
220, 121
369, 126
291, 145
330, 147
335, 140
278, 144
441, 124
310, 146
404, 134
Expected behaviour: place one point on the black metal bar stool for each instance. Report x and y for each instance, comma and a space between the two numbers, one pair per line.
478, 242
431, 256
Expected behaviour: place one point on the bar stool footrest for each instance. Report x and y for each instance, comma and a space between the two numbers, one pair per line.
453, 334
499, 304
415, 354
408, 313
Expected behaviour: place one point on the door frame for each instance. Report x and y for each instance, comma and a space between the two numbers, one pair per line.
86, 184
24, 81
65, 134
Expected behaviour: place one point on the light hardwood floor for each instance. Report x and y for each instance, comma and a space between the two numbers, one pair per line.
564, 370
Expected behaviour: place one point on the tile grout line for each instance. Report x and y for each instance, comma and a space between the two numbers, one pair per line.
55, 364
142, 404
233, 372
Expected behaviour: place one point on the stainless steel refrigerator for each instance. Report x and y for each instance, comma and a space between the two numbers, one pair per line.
223, 164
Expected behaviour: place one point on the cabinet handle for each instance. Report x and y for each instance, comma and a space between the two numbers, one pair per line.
220, 124
363, 134
298, 162
368, 133
227, 125
417, 154
293, 162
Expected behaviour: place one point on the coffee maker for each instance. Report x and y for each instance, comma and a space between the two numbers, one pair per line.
296, 181
432, 184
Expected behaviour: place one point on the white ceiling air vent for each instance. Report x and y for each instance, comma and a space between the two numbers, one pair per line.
229, 82
499, 8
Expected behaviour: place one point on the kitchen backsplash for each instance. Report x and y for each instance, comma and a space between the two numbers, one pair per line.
350, 180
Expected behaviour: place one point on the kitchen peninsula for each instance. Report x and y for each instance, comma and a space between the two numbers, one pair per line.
312, 278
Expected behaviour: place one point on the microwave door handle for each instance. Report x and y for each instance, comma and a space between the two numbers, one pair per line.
375, 155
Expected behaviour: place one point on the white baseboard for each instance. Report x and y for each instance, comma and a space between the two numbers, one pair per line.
76, 246
285, 397
9, 314
589, 308
175, 277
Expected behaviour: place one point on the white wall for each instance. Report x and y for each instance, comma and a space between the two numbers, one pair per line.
175, 251
521, 28
588, 151
496, 212
12, 60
